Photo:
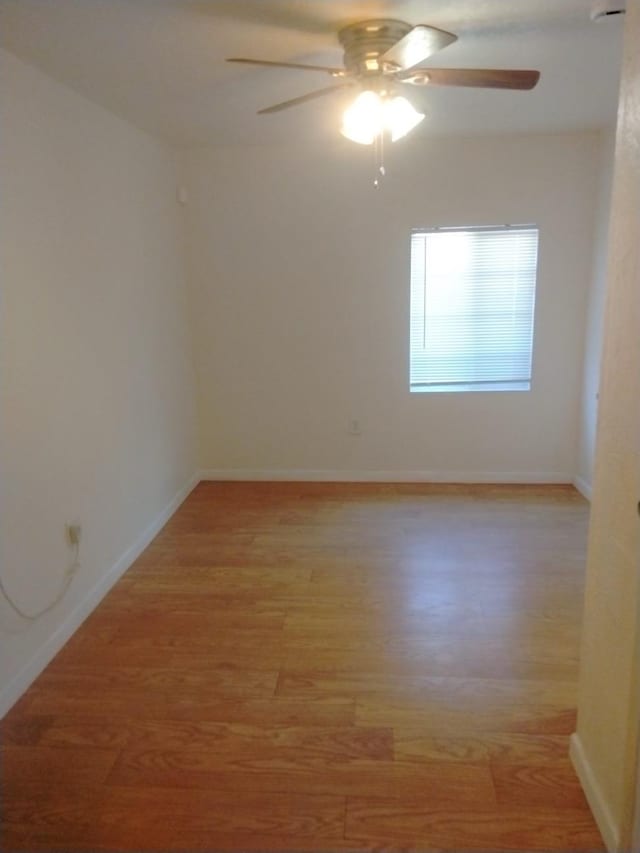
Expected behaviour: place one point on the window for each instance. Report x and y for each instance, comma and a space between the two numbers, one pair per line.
472, 305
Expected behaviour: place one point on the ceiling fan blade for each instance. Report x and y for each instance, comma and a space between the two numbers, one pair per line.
335, 72
485, 78
302, 99
419, 43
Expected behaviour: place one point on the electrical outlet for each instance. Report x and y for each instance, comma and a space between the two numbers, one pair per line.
74, 532
355, 427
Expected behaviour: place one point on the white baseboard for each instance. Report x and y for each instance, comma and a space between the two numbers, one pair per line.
601, 812
328, 476
27, 675
583, 487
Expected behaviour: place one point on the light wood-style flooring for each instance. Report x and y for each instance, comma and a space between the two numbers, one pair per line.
319, 666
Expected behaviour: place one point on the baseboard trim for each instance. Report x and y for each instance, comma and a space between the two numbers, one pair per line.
30, 671
329, 476
593, 793
583, 487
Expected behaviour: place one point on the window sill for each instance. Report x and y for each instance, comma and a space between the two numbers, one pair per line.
470, 387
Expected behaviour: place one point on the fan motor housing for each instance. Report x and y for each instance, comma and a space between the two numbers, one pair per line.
365, 41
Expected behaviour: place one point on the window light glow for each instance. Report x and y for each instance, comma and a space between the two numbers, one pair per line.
371, 114
472, 308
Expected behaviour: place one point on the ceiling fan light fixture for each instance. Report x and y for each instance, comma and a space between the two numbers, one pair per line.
370, 115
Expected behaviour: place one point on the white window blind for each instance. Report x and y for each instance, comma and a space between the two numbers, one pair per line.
472, 308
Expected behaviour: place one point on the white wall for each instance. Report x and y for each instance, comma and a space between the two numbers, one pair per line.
595, 322
299, 271
97, 386
605, 745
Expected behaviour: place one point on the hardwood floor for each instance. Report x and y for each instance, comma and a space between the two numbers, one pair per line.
319, 666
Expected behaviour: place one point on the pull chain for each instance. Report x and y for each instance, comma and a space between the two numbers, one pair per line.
378, 151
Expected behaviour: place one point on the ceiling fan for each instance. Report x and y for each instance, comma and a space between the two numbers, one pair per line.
379, 55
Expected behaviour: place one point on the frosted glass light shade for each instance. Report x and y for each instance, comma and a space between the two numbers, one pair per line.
362, 122
370, 114
401, 117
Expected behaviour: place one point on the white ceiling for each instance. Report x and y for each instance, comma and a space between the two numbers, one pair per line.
160, 63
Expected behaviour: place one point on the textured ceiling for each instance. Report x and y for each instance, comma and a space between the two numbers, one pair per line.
160, 63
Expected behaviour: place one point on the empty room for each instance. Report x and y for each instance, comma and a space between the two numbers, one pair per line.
320, 419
